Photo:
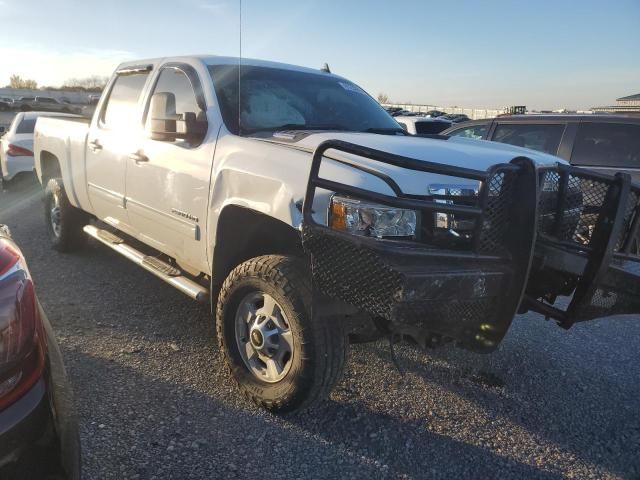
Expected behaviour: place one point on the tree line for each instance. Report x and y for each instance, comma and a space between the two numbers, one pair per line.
94, 83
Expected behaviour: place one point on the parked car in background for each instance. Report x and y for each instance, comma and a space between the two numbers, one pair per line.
50, 104
600, 142
44, 104
6, 103
24, 103
393, 110
16, 146
38, 430
435, 113
421, 125
455, 117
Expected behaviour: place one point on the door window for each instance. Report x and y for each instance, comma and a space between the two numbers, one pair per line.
542, 137
175, 81
475, 131
122, 104
607, 145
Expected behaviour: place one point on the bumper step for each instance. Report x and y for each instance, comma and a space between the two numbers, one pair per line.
160, 269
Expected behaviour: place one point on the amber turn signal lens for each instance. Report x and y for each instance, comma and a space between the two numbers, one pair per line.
338, 216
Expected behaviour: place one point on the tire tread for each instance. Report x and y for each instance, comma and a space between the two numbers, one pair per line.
288, 274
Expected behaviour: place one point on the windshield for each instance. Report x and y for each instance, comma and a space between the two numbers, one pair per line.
281, 99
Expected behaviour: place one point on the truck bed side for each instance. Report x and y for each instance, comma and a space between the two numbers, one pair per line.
59, 150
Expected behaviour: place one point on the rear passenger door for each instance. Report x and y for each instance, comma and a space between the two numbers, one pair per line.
112, 137
608, 146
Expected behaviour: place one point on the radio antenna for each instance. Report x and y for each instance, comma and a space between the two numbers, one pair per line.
240, 69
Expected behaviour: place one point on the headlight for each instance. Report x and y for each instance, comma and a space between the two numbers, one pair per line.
371, 219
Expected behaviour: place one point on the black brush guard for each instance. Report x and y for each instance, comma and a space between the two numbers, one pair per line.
587, 221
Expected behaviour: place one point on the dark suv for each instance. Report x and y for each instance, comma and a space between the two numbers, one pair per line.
600, 142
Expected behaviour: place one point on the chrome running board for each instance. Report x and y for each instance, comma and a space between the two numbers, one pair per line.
160, 269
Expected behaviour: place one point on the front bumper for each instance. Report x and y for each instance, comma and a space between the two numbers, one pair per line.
472, 296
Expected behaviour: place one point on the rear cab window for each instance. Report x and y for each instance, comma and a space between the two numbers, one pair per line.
607, 145
544, 137
122, 108
27, 125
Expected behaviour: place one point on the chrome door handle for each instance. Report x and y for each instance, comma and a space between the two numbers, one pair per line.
138, 157
95, 146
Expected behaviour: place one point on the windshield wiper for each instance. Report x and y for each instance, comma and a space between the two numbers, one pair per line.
384, 131
296, 126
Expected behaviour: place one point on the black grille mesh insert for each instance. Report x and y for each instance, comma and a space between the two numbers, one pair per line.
593, 195
496, 223
360, 277
356, 275
583, 203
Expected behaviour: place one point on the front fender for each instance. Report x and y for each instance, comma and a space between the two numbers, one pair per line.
271, 179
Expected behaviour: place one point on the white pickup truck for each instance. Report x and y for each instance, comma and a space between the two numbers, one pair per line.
293, 202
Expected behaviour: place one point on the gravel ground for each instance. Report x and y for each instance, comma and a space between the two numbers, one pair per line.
155, 402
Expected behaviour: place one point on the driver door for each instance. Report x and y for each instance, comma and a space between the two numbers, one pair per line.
167, 179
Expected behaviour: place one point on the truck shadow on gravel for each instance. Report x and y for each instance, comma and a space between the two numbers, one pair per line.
144, 317
580, 409
147, 427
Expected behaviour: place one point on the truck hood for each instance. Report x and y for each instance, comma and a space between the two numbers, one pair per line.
461, 152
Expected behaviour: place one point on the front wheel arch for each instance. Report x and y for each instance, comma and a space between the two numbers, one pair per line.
243, 233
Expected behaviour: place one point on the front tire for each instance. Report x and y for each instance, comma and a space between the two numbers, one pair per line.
282, 358
64, 221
